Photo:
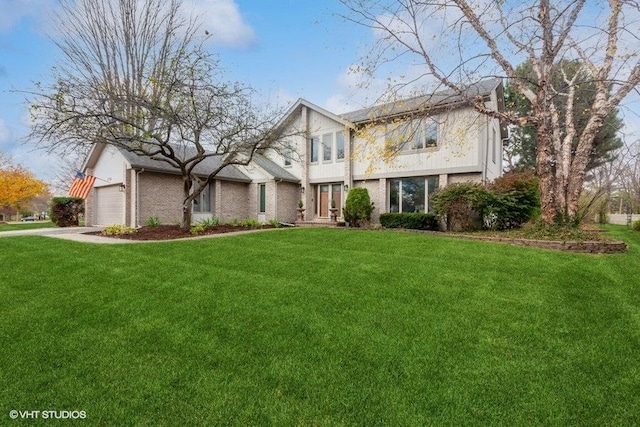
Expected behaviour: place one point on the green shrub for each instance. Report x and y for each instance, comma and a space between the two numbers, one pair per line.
275, 223
250, 222
636, 225
210, 222
358, 207
65, 211
197, 228
235, 223
118, 230
153, 221
461, 205
412, 221
515, 200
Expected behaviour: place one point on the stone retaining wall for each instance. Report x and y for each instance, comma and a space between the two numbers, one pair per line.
594, 247
587, 246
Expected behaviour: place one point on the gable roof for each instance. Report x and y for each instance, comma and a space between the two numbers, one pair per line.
303, 102
423, 102
273, 169
229, 173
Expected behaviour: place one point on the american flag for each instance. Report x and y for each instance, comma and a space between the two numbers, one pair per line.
81, 185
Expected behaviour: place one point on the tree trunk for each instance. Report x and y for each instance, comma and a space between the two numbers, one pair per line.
545, 172
187, 204
581, 157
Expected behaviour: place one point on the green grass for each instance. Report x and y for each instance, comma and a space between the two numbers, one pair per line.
25, 225
320, 327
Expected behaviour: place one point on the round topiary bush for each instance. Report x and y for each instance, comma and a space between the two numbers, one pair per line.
358, 207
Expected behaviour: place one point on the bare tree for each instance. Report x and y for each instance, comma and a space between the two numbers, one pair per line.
454, 42
627, 179
135, 75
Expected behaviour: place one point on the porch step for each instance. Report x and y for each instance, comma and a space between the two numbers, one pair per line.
319, 223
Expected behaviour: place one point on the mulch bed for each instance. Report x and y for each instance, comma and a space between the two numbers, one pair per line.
170, 232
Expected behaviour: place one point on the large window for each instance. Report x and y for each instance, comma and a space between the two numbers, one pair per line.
327, 147
314, 145
202, 203
340, 145
411, 194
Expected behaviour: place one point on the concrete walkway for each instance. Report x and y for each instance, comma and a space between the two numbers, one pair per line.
67, 233
77, 234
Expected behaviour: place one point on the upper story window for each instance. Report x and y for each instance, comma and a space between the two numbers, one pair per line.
327, 147
431, 133
400, 136
330, 147
314, 145
340, 145
288, 154
413, 135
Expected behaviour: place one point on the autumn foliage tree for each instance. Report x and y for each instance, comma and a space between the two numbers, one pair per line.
18, 186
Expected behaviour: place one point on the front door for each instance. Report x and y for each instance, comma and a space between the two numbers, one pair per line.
324, 201
326, 193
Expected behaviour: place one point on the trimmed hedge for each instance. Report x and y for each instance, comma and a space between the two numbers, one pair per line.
412, 221
462, 205
65, 211
509, 202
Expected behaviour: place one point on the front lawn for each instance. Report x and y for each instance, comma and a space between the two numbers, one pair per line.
320, 327
25, 225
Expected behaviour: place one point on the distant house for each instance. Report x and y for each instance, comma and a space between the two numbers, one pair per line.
401, 152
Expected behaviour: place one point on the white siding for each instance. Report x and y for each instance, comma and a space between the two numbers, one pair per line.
458, 150
331, 170
110, 168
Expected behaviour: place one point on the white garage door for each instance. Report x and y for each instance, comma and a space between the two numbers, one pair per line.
109, 205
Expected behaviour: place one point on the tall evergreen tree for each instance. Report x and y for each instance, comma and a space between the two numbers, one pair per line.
520, 151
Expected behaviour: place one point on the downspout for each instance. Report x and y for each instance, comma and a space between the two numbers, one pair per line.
486, 154
138, 197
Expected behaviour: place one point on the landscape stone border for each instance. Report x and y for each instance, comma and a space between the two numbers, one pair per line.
586, 246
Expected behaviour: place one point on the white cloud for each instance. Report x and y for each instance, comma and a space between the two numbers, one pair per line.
220, 18
358, 89
223, 21
355, 89
14, 10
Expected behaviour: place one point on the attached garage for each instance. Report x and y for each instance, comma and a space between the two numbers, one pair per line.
109, 202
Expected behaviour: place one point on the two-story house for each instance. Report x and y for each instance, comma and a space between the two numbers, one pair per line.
400, 151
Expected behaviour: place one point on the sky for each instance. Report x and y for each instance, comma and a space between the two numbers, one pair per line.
285, 49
